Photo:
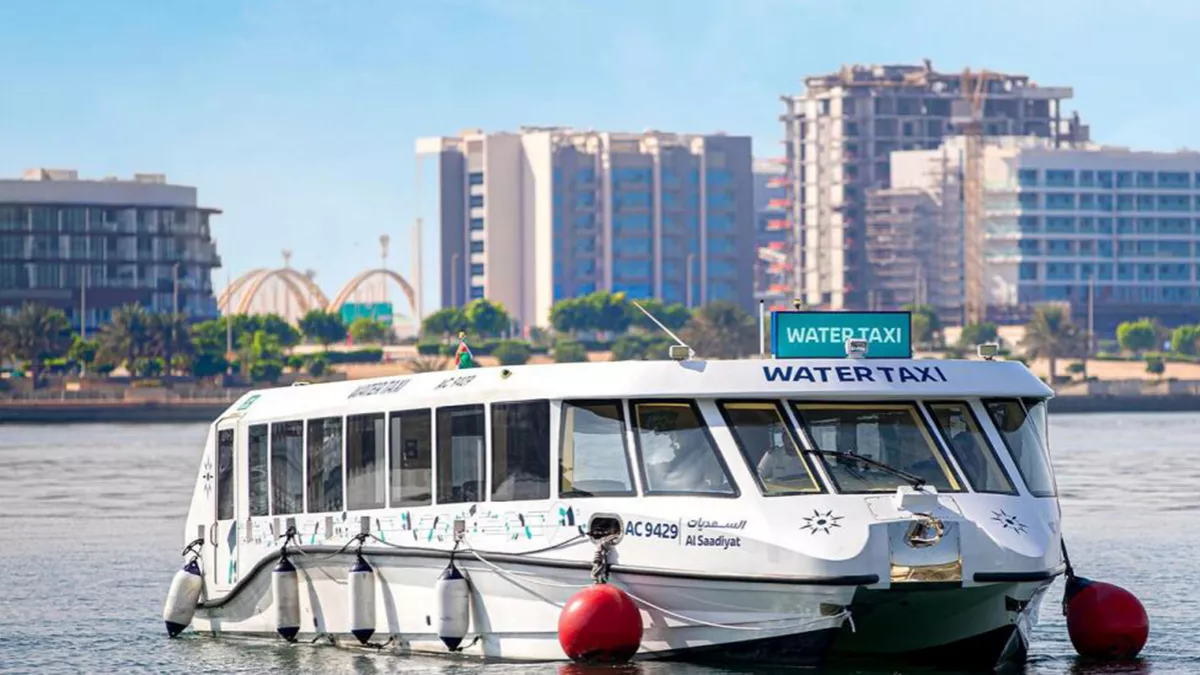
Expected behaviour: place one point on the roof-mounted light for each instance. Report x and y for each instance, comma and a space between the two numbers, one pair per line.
679, 352
988, 350
856, 348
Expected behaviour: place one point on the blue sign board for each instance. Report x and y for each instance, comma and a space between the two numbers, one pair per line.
379, 311
823, 335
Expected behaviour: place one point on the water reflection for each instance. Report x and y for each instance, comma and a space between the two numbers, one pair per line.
91, 526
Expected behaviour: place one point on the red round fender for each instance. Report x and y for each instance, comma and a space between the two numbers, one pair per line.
600, 624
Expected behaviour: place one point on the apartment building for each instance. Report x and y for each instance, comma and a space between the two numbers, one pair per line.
545, 213
112, 241
839, 134
770, 231
1061, 223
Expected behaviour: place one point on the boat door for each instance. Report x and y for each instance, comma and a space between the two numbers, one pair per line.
223, 533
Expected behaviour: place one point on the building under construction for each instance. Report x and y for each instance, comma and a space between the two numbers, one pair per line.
914, 242
839, 135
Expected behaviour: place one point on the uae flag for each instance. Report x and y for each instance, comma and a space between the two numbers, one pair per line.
463, 358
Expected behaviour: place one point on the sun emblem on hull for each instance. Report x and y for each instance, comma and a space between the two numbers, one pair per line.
820, 522
1009, 522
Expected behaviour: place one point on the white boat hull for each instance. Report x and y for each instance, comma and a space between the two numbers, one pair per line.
515, 609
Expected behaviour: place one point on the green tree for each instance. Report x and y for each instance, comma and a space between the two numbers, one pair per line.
324, 328
974, 334
610, 311
641, 347
572, 315
35, 334
722, 330
261, 357
84, 352
1186, 340
569, 351
926, 326
272, 324
486, 317
318, 365
674, 316
512, 352
445, 321
1050, 335
128, 339
365, 330
1138, 336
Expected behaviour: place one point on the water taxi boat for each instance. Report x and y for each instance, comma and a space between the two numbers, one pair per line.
773, 508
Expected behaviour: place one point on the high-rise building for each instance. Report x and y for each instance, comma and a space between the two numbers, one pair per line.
1063, 223
770, 230
99, 244
839, 134
529, 218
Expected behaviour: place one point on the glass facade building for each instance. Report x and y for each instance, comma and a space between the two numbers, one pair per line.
124, 241
530, 218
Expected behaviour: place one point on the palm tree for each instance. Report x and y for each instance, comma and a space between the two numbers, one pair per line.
36, 333
428, 364
171, 337
722, 330
1051, 335
129, 337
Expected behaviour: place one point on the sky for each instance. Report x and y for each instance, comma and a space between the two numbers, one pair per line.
298, 118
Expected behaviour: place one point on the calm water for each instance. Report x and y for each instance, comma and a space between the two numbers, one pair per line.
90, 520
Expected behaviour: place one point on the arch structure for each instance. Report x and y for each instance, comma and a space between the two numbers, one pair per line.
343, 295
245, 289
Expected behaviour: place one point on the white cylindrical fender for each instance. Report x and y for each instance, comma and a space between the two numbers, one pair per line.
361, 587
453, 606
182, 598
285, 588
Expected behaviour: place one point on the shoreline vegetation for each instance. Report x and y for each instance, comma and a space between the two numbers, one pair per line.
50, 373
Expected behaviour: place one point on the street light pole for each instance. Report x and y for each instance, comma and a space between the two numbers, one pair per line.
454, 280
83, 313
691, 258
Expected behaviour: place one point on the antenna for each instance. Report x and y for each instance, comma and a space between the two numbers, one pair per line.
690, 352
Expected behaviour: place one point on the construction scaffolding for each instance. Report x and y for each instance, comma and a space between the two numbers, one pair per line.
915, 243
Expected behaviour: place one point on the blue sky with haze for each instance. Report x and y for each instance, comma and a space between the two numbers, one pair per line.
298, 117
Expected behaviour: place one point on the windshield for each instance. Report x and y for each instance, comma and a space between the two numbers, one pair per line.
1024, 433
971, 449
892, 434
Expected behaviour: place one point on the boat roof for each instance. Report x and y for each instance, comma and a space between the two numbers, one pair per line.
824, 379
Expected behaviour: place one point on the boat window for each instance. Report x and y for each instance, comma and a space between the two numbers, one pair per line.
677, 452
892, 434
287, 468
460, 457
365, 464
1023, 431
325, 465
767, 444
257, 456
520, 451
412, 458
594, 461
225, 474
971, 448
